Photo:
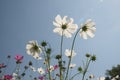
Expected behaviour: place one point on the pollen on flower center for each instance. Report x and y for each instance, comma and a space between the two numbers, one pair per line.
84, 28
64, 26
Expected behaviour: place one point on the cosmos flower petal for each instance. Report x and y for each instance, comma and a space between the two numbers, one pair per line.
33, 68
88, 21
72, 28
56, 24
90, 34
67, 34
36, 56
28, 46
41, 70
84, 35
91, 24
28, 52
93, 29
68, 53
64, 21
58, 19
71, 20
56, 30
72, 65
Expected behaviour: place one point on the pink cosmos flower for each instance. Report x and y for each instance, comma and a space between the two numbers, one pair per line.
18, 58
55, 67
41, 77
2, 65
8, 77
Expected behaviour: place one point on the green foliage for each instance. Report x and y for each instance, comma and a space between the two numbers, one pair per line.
114, 71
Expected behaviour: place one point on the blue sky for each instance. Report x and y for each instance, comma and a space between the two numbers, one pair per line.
25, 20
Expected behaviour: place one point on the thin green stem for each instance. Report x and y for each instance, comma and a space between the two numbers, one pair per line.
61, 45
4, 71
71, 53
49, 67
48, 57
74, 75
86, 68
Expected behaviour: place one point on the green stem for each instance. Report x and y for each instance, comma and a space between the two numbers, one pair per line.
4, 71
48, 57
49, 68
71, 53
86, 68
61, 45
74, 75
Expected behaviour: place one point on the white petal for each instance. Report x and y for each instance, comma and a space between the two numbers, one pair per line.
39, 58
72, 28
72, 65
64, 20
58, 19
70, 21
32, 42
28, 46
36, 56
40, 50
33, 68
93, 29
41, 70
67, 34
56, 30
67, 52
83, 35
91, 24
55, 24
28, 52
88, 21
90, 34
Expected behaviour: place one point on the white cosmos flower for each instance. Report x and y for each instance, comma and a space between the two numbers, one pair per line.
68, 53
36, 56
50, 69
72, 65
33, 49
101, 78
117, 76
41, 70
113, 79
33, 68
15, 75
87, 29
91, 76
64, 26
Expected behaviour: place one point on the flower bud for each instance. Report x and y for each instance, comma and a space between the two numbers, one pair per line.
44, 44
30, 63
93, 58
48, 50
80, 69
87, 55
58, 57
